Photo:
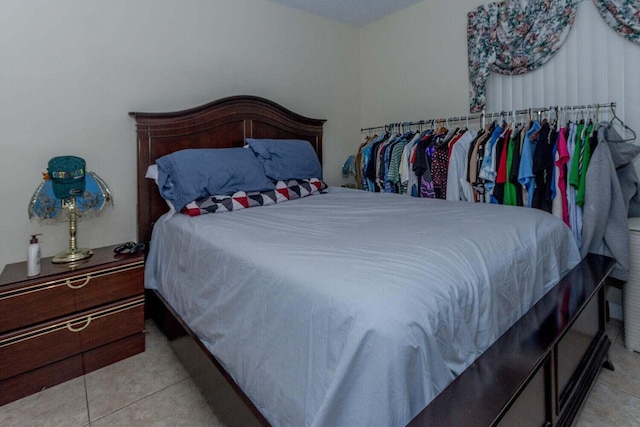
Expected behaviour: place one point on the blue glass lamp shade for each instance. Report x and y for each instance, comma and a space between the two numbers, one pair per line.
44, 204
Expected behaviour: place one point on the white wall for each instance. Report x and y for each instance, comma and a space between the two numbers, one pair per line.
72, 70
414, 63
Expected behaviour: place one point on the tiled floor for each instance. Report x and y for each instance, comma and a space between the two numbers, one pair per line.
149, 389
615, 398
153, 389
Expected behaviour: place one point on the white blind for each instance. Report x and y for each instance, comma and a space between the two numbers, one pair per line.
595, 65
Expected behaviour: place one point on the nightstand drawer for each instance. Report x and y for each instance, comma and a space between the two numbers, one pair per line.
68, 336
48, 300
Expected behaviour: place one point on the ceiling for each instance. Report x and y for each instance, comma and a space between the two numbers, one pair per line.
353, 12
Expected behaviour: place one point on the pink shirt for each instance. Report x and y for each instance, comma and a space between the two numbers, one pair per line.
563, 158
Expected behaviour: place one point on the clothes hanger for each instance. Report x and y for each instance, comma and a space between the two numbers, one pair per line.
626, 128
504, 125
516, 119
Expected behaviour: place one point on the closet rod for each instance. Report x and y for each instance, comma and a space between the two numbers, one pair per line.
484, 115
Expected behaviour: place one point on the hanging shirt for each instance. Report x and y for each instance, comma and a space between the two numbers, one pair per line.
543, 167
414, 181
576, 159
583, 163
405, 170
510, 189
367, 182
501, 172
386, 165
370, 171
515, 165
439, 170
359, 160
575, 211
488, 170
526, 177
478, 184
393, 177
475, 153
561, 165
556, 204
453, 142
457, 186
421, 164
495, 156
380, 162
427, 186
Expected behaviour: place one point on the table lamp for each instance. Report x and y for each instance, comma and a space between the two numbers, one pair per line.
67, 193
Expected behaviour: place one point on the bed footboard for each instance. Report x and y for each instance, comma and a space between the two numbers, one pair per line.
540, 371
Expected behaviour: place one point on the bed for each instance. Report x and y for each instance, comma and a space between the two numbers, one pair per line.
326, 311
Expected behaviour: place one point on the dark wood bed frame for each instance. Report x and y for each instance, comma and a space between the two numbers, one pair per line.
538, 373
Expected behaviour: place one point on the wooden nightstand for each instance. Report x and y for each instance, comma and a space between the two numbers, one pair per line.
66, 321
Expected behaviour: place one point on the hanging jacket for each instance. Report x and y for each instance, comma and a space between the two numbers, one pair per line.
611, 192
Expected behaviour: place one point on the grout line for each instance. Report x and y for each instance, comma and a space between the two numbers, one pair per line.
86, 399
588, 410
139, 400
627, 392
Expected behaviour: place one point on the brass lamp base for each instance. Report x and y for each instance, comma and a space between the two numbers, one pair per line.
70, 255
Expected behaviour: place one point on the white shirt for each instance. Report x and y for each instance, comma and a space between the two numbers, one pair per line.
458, 188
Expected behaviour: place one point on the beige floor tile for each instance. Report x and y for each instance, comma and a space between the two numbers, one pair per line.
178, 405
125, 382
626, 376
62, 405
586, 419
608, 406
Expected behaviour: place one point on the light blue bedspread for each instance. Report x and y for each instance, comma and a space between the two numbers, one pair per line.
353, 308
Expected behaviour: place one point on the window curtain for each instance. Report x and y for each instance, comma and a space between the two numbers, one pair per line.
621, 15
514, 37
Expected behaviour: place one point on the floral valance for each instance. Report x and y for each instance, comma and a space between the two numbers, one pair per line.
623, 16
514, 37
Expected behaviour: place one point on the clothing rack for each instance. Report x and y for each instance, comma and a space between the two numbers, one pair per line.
482, 116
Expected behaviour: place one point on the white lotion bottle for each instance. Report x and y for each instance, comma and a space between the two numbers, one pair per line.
33, 256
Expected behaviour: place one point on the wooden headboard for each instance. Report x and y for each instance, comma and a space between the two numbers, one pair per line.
227, 122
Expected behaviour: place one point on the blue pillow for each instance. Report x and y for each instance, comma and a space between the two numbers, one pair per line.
188, 175
285, 159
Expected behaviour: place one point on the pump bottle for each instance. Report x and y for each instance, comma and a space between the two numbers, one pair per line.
33, 256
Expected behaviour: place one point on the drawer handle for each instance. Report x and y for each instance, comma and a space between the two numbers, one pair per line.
82, 285
81, 328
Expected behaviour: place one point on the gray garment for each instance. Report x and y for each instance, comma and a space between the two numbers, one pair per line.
611, 194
